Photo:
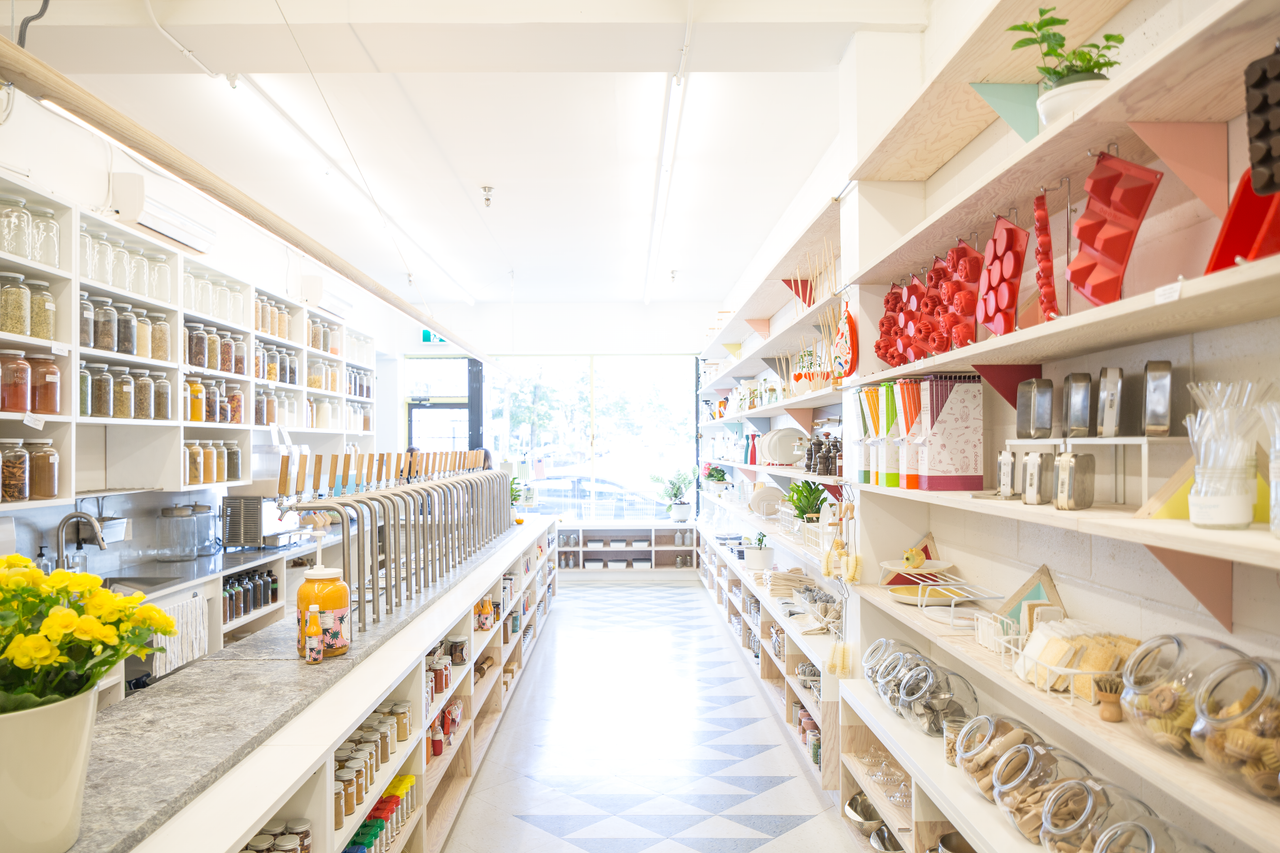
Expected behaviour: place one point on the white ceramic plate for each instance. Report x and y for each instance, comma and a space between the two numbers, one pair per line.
764, 501
779, 446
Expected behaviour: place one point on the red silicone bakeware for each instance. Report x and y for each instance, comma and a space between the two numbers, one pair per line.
1119, 194
1001, 276
1044, 261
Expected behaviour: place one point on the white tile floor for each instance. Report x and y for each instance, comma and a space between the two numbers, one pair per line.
638, 727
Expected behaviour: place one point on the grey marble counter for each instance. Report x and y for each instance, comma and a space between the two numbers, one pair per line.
160, 748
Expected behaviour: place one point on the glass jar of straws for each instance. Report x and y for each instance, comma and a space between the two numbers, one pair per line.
1221, 432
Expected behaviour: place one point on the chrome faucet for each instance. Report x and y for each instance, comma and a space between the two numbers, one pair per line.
62, 535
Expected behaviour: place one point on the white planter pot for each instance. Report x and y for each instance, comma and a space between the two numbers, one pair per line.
515, 514
1063, 101
46, 757
758, 559
681, 512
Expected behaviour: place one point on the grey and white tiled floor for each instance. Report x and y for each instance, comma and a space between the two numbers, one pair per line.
638, 727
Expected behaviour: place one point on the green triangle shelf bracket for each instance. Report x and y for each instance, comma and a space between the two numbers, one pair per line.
1015, 103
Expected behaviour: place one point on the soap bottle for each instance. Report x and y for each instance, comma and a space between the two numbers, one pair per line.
43, 562
79, 560
315, 652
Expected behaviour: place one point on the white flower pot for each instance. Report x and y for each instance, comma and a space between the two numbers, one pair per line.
515, 514
46, 757
758, 559
1062, 101
681, 512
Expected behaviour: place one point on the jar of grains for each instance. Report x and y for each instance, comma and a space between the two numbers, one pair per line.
43, 310
121, 393
210, 462
126, 329
144, 395
86, 320
100, 394
144, 334
44, 468
197, 354
104, 324
193, 470
85, 390
46, 385
162, 408
214, 354
233, 460
160, 338
15, 304
15, 470
226, 354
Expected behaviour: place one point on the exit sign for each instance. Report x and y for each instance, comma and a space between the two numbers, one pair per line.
430, 337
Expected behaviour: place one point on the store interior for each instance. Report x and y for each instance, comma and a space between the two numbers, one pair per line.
867, 413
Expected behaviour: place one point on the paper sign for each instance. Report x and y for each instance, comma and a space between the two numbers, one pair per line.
60, 349
33, 421
1168, 293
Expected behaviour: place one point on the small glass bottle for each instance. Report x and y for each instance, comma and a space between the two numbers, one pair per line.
15, 304
86, 320
15, 381
122, 393
162, 408
46, 385
144, 395
143, 348
126, 329
210, 401
195, 412
100, 395
15, 471
86, 391
43, 468
161, 285
104, 324
44, 311
139, 271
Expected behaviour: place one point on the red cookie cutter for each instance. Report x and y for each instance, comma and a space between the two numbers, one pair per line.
1119, 194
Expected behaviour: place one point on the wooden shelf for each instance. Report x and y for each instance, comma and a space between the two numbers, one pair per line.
1192, 76
406, 830
948, 113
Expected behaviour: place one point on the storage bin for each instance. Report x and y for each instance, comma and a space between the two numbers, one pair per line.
593, 564
617, 564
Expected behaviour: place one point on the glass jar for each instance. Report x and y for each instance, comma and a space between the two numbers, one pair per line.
224, 405
210, 401
197, 345
291, 362
1150, 834
273, 409
192, 463
315, 374
15, 304
331, 382
239, 355
204, 297
160, 285
139, 271
15, 381
1238, 723
207, 540
880, 651
316, 334
144, 395
1079, 811
930, 695
273, 317
176, 528
43, 310
44, 236
86, 320
324, 587
983, 742
162, 392
213, 348
121, 393
87, 250
86, 391
226, 354
1222, 498
15, 226
233, 400
43, 461
301, 827
119, 265
368, 418
160, 347
195, 411
273, 365
323, 415
282, 323
221, 301
326, 336
101, 271
15, 471
290, 411
1161, 679
126, 329
260, 408
264, 319
188, 291
236, 310
233, 461
1024, 776
100, 395
104, 324
144, 334
892, 670
209, 461
46, 385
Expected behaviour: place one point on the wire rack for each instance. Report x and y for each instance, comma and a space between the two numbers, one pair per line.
941, 589
1005, 637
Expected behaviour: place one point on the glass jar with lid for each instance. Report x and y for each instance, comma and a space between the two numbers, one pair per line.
326, 337
273, 365
46, 385
15, 471
15, 381
259, 361
192, 463
104, 324
43, 465
44, 310
86, 390
273, 406
315, 334
282, 322
332, 382
220, 459
368, 418
100, 395
15, 226
210, 401
1024, 776
1077, 812
195, 412
213, 348
983, 742
1148, 834
102, 249
224, 405
121, 393
87, 250
291, 411
1238, 722
260, 844
221, 301
160, 331
197, 345
210, 462
143, 347
15, 304
315, 374
235, 404
260, 408
237, 306
188, 291
144, 395
273, 317
204, 296
126, 329
176, 527
239, 355
86, 320
930, 695
120, 263
233, 461
139, 271
161, 285
290, 369
226, 354
162, 394
44, 236
263, 321
207, 529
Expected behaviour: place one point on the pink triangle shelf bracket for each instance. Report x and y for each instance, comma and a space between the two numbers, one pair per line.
1209, 579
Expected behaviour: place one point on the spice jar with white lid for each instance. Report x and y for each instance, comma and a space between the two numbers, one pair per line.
337, 806
387, 734
260, 843
348, 780
357, 765
403, 721
274, 827
286, 844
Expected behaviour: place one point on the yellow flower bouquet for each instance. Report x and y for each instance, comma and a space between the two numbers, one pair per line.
60, 633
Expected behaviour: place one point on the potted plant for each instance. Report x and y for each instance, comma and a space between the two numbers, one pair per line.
517, 492
59, 635
714, 478
759, 558
1076, 74
673, 490
806, 499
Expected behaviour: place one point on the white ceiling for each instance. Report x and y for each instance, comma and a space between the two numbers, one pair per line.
558, 105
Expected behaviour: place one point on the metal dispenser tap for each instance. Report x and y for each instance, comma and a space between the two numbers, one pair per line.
61, 562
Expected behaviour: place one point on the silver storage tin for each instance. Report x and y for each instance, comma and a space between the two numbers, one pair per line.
1035, 408
1073, 474
1077, 406
1037, 478
1110, 380
1157, 398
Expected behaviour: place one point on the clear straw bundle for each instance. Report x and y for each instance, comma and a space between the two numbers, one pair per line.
1222, 439
1270, 412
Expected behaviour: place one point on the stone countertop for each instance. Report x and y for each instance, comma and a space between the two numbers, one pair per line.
160, 748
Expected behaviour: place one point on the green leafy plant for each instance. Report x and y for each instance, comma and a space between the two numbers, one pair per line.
713, 473
517, 491
760, 541
1086, 59
806, 498
674, 488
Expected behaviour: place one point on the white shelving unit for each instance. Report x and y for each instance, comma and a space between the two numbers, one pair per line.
619, 543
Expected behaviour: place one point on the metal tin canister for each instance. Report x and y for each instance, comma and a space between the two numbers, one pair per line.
1074, 477
1037, 478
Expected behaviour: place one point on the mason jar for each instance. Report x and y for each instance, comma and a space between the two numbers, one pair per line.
15, 226
143, 348
291, 374
210, 401
233, 461
213, 348
239, 355
224, 405
15, 304
160, 346
188, 291
316, 334
15, 381
260, 408
273, 365
121, 393
102, 249
15, 471
235, 405
221, 301
315, 374
46, 385
126, 329
42, 468
104, 324
144, 395
139, 271
86, 390
282, 322
87, 250
120, 264
204, 296
100, 394
44, 236
161, 284
162, 408
44, 311
237, 306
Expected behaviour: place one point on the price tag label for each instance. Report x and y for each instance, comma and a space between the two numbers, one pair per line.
1168, 293
60, 349
33, 421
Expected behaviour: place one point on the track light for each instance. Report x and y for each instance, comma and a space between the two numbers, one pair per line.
488, 195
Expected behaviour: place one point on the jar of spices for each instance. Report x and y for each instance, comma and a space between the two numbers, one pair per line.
210, 462
301, 827
119, 265
372, 741
139, 271
338, 810
458, 650
213, 352
226, 354
260, 408
44, 468
347, 778
162, 391
43, 310
161, 285
239, 353
15, 470
197, 343
221, 301
144, 395
273, 365
286, 844
160, 349
233, 461
122, 392
144, 334
44, 236
86, 391
439, 673
104, 324
46, 385
235, 404
195, 411
260, 844
15, 304
15, 226
126, 329
15, 381
292, 369
210, 401
100, 395
403, 722
86, 320
357, 766
388, 727
220, 459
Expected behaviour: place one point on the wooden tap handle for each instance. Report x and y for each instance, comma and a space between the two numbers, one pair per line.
346, 470
284, 476
382, 463
315, 480
333, 472
368, 476
359, 470
395, 472
302, 475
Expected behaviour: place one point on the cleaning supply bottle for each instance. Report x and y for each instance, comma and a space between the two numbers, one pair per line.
314, 643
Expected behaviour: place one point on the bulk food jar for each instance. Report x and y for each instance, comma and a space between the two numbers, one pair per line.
931, 695
101, 258
175, 534
160, 348
194, 459
86, 320
1148, 835
1023, 779
162, 408
86, 390
15, 381
15, 304
44, 311
15, 226
44, 236
119, 265
161, 285
100, 393
46, 385
896, 667
206, 527
104, 324
878, 652
326, 588
1238, 724
43, 461
126, 329
143, 349
15, 470
1161, 678
983, 742
1079, 811
144, 395
121, 392
139, 271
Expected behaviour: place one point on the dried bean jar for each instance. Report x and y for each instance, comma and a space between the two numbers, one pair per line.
121, 393
15, 470
43, 467
104, 324
86, 320
144, 395
235, 404
197, 343
126, 329
163, 405
15, 381
100, 395
301, 827
46, 385
144, 334
15, 304
44, 310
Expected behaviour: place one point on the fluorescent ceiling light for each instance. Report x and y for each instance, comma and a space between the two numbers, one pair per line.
667, 160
